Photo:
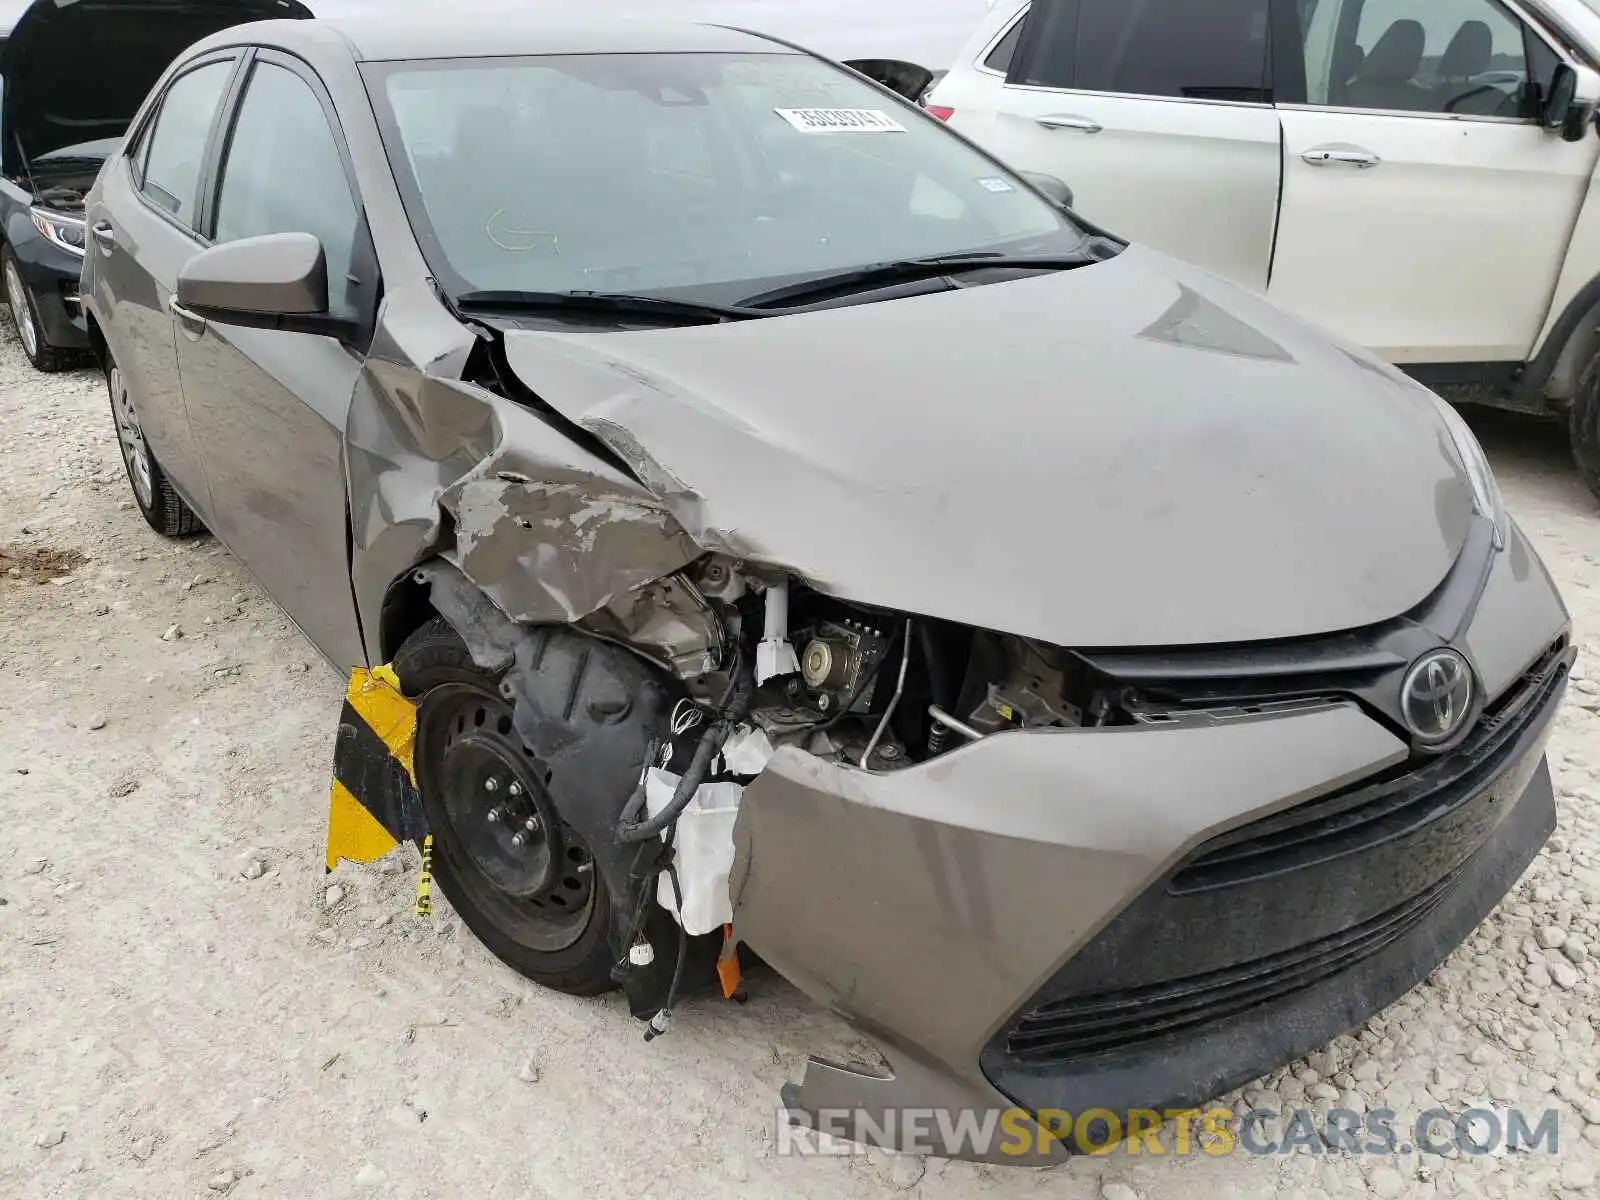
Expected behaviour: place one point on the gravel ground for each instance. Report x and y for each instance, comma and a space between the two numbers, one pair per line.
188, 1008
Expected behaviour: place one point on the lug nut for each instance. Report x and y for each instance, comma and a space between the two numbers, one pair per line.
531, 824
516, 788
517, 839
494, 816
491, 784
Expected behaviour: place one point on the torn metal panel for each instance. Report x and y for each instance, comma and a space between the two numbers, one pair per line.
552, 543
670, 621
547, 529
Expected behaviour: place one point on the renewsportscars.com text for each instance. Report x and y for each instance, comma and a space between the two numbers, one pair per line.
1215, 1132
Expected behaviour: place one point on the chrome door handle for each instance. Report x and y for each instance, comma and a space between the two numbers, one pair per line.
106, 235
192, 323
1068, 121
1341, 156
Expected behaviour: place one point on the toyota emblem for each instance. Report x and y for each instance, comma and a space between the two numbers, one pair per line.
1436, 696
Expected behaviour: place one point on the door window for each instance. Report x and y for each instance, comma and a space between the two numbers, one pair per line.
1466, 58
284, 174
1170, 48
178, 142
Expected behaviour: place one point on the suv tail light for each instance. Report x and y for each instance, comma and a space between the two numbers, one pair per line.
941, 111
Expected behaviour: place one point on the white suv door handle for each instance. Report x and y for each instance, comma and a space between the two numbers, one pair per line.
1068, 121
1341, 156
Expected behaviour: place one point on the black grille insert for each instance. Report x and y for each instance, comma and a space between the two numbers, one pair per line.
1079, 1026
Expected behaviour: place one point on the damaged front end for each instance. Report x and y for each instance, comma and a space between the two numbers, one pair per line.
1044, 880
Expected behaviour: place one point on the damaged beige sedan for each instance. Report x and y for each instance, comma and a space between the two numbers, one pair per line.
756, 519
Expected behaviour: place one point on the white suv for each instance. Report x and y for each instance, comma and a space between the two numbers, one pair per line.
1413, 174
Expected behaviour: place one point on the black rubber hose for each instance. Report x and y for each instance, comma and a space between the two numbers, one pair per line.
630, 810
711, 743
663, 1019
937, 683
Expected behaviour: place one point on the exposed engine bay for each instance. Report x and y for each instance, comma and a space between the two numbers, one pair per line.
856, 684
64, 198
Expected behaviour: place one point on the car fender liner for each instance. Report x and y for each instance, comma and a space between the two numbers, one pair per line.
589, 710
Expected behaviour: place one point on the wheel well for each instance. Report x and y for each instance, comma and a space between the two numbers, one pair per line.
406, 609
97, 339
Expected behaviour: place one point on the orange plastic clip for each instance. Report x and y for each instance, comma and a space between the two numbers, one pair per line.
728, 964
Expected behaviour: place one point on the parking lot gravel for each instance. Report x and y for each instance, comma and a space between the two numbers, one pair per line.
190, 1007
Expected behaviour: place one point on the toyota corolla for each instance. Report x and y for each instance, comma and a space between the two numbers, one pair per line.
755, 517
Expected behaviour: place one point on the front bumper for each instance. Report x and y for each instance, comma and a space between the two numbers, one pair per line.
1140, 918
52, 276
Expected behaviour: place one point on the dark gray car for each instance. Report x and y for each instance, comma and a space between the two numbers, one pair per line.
1153, 688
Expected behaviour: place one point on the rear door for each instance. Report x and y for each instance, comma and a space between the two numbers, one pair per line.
1426, 213
1158, 114
268, 407
141, 232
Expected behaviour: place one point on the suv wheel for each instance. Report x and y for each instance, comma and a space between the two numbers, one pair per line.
1583, 426
25, 316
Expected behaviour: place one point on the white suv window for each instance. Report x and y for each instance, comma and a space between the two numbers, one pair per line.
999, 58
1465, 58
1182, 49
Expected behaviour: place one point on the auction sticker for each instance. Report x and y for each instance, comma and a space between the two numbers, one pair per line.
840, 120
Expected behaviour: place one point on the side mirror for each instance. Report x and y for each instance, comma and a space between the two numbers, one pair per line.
1572, 101
1052, 187
276, 281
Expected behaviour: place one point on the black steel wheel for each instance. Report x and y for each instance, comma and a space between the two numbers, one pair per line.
519, 877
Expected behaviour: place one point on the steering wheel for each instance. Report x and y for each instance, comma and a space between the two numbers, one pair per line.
1477, 91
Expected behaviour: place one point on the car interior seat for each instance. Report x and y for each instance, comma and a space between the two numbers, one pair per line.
1469, 55
1388, 77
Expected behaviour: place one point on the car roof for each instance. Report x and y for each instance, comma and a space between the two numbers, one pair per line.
373, 38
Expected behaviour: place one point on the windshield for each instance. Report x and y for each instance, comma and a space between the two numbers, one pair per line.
703, 175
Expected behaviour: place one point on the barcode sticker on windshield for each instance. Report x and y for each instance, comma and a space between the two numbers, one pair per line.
840, 120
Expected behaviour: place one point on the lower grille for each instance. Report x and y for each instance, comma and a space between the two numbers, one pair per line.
1412, 795
1074, 1028
1264, 913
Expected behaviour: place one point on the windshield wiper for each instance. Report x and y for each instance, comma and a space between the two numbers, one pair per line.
606, 302
904, 270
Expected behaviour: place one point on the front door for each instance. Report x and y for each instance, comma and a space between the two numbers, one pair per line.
268, 408
1158, 114
1425, 213
154, 190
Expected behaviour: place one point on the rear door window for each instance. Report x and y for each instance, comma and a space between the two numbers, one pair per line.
1177, 49
171, 179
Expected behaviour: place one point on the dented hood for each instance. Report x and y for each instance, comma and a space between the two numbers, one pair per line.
1128, 454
